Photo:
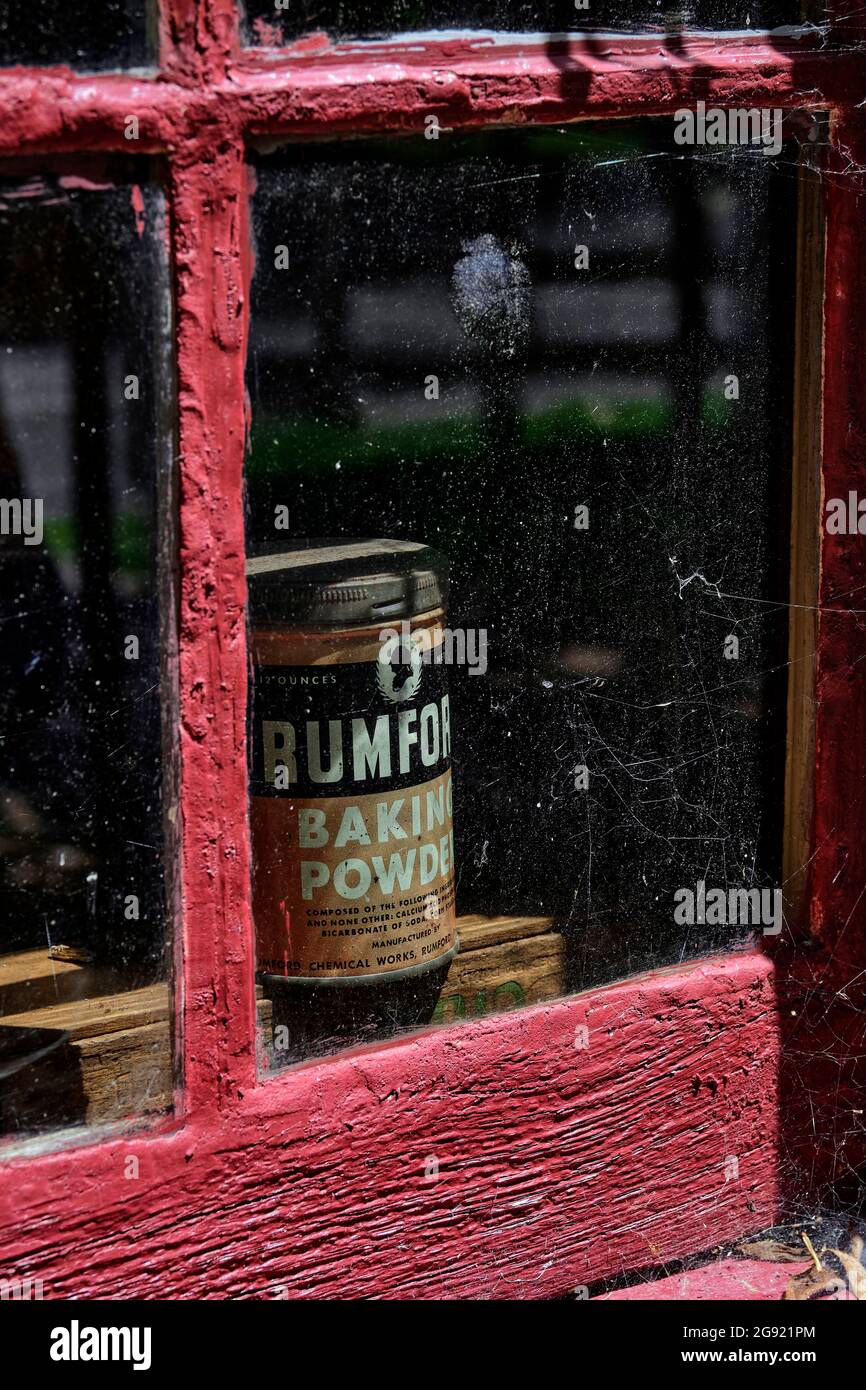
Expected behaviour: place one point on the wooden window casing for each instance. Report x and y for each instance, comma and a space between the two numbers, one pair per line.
558, 1165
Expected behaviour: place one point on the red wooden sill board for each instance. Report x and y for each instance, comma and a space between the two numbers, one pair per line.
754, 1281
558, 1165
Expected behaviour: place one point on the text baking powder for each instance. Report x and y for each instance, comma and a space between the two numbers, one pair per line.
350, 752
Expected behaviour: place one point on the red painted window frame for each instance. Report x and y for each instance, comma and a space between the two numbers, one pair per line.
558, 1165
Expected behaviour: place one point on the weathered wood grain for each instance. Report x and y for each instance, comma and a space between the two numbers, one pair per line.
805, 548
748, 1281
477, 930
86, 1018
126, 1072
520, 1161
489, 979
32, 980
117, 1063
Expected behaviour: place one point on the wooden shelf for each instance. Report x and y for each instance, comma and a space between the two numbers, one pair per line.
502, 963
116, 1059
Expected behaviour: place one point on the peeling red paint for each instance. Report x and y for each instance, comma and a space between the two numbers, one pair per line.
394, 89
137, 199
751, 1281
73, 181
268, 33
557, 1165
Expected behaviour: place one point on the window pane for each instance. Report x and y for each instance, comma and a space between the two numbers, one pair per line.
562, 359
77, 33
84, 454
280, 21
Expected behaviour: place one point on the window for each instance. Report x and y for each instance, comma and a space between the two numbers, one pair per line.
274, 21
87, 426
587, 412
322, 325
114, 34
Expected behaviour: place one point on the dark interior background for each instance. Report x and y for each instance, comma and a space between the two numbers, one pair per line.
78, 33
84, 302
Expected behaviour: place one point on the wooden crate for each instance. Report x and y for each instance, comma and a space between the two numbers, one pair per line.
502, 963
115, 1060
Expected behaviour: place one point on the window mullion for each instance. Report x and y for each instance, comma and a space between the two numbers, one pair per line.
217, 1004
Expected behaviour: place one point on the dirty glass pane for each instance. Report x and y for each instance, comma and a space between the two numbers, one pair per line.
78, 33
84, 440
280, 21
562, 358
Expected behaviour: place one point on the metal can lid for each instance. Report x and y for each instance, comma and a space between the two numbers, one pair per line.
335, 583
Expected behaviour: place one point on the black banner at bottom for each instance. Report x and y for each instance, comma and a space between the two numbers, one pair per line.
272, 1339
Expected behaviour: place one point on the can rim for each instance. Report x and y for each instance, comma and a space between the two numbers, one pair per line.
352, 981
324, 583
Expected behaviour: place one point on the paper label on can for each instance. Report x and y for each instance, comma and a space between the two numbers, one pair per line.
351, 818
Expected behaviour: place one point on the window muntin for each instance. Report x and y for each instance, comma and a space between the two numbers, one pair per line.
652, 388
86, 433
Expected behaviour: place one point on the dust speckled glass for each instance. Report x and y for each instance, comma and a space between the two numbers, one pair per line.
85, 452
561, 358
279, 21
77, 33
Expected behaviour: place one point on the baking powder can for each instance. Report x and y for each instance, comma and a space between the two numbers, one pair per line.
350, 763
